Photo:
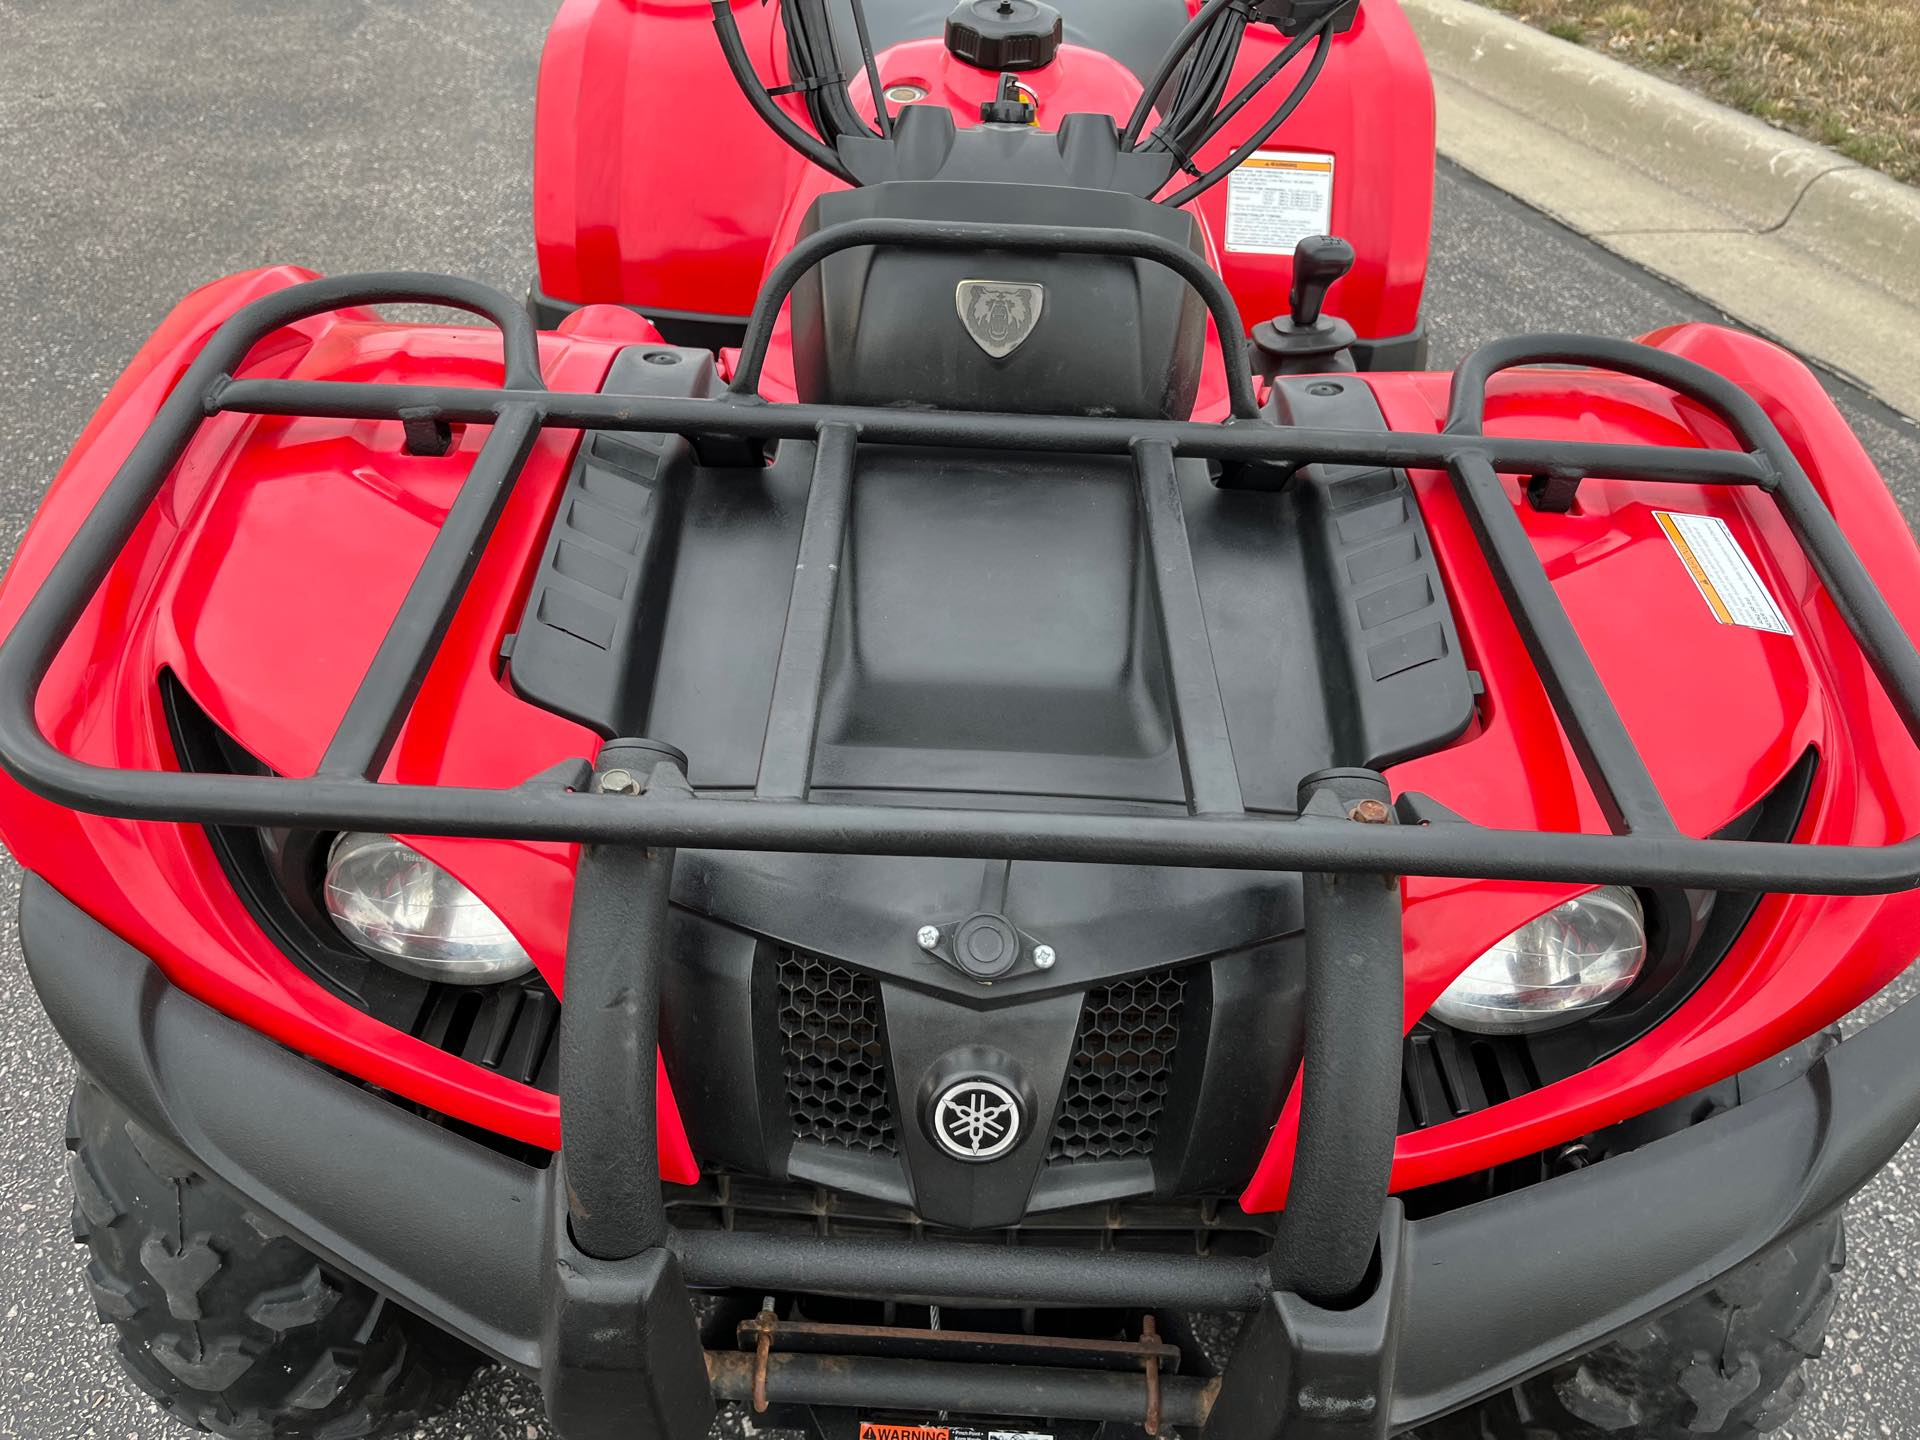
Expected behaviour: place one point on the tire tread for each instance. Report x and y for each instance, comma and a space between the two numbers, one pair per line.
231, 1326
1728, 1364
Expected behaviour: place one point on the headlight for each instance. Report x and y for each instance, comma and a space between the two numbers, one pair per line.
1570, 962
400, 907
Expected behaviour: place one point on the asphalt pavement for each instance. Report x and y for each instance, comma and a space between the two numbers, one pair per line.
148, 147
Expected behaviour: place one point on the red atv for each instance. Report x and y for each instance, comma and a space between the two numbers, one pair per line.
1059, 867
683, 232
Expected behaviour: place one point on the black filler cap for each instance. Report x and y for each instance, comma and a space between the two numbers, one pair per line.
1004, 34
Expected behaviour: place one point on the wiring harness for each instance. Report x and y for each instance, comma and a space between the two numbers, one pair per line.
1187, 92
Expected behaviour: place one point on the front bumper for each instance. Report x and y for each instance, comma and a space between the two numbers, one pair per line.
1462, 1305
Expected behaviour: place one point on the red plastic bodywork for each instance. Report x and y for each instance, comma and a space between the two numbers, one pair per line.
638, 202
1371, 111
268, 570
654, 183
294, 549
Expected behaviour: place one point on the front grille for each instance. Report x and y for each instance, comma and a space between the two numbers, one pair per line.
1116, 1083
835, 1063
1205, 1226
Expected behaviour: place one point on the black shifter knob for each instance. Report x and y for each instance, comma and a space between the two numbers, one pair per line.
1306, 342
1319, 261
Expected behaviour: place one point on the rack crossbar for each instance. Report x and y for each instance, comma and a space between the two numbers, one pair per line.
379, 707
1199, 713
755, 419
793, 715
1611, 763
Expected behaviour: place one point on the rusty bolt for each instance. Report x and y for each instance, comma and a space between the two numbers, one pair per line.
1371, 812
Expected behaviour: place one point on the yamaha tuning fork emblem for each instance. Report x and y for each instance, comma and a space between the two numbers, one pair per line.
976, 1120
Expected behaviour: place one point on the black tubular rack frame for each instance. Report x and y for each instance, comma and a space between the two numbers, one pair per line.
631, 829
1646, 847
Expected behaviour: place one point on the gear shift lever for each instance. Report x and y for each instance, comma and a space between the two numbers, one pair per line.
1308, 342
1318, 262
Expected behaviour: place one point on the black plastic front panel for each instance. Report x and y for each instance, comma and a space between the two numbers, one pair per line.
996, 632
996, 636
1493, 1291
1162, 1083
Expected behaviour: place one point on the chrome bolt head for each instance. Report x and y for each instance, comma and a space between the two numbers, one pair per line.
1043, 957
928, 937
619, 782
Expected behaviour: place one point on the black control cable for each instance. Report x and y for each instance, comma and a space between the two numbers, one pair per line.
1246, 94
1196, 28
1202, 82
880, 111
734, 48
814, 60
1322, 34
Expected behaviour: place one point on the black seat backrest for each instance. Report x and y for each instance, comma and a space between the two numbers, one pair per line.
1017, 331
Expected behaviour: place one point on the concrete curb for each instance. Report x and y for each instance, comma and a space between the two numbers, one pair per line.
1866, 221
1784, 234
1732, 161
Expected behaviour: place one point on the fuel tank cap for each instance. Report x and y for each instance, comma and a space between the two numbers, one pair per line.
1004, 34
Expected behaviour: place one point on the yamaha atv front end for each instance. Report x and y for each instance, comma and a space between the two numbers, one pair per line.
1008, 859
1086, 1123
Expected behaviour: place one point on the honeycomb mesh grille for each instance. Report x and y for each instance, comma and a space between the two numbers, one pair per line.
836, 1067
1116, 1084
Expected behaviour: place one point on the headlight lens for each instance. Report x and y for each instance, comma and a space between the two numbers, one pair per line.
400, 907
1571, 961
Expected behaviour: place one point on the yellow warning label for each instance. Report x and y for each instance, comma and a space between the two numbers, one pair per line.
1721, 571
1276, 160
1276, 199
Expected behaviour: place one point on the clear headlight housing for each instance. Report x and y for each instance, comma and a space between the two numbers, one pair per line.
401, 908
1575, 959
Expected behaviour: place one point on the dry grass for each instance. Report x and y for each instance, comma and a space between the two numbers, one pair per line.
1843, 72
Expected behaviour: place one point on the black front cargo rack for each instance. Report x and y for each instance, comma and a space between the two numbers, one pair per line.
633, 808
1646, 848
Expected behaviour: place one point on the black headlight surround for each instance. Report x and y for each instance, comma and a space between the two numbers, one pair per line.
508, 1027
1449, 1073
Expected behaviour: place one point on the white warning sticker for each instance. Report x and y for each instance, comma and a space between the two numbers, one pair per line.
1276, 199
1722, 572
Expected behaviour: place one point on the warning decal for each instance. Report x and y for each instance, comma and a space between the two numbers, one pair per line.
874, 1430
1722, 572
1276, 199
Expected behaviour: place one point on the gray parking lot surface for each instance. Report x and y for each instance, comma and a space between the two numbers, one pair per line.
147, 147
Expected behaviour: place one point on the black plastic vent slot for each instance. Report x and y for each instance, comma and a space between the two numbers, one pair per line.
1116, 1083
1446, 1074
510, 1029
835, 1062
